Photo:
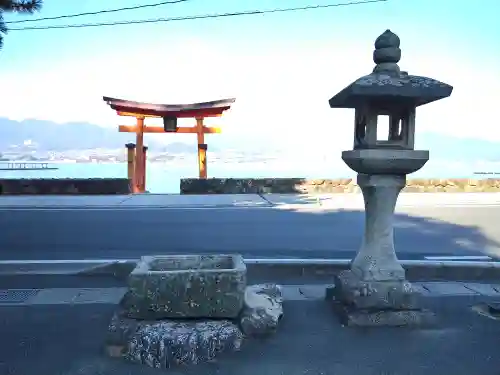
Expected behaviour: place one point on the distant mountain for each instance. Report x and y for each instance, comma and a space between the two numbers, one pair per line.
48, 135
61, 137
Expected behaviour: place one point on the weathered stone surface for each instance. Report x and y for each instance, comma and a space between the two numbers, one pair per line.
376, 259
374, 291
388, 84
120, 330
262, 310
64, 186
375, 303
397, 294
186, 286
327, 186
163, 344
384, 318
391, 162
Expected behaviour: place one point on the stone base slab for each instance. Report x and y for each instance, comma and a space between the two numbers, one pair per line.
361, 294
352, 317
167, 343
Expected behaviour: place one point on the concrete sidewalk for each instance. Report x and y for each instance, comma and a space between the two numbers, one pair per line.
305, 292
67, 339
132, 201
325, 201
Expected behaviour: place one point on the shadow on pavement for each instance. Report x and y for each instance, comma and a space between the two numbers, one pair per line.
416, 234
442, 234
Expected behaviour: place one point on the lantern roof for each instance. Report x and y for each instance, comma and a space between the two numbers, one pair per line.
387, 84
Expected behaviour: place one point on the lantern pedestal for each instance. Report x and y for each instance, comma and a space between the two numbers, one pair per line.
371, 303
374, 292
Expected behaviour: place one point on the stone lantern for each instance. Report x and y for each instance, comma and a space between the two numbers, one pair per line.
375, 290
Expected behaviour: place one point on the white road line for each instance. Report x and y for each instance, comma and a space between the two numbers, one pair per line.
271, 261
247, 260
68, 261
464, 257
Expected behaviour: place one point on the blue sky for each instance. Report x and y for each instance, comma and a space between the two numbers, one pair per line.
282, 68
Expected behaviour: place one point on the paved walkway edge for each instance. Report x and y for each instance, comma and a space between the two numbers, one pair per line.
282, 201
267, 268
113, 295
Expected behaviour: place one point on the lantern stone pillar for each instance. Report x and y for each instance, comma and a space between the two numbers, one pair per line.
374, 291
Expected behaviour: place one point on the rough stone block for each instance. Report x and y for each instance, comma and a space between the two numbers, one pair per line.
324, 186
262, 310
397, 294
120, 330
384, 318
164, 344
186, 286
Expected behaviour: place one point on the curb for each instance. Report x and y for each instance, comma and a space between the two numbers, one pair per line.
323, 270
268, 204
263, 269
124, 207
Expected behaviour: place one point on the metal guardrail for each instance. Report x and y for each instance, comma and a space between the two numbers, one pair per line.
22, 166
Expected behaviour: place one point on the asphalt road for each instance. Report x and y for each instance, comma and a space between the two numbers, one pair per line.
254, 232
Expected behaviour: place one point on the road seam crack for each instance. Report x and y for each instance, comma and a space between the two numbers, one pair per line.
272, 204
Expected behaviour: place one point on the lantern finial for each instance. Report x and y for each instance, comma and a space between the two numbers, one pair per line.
387, 53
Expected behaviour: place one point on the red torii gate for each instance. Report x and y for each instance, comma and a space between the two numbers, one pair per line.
169, 113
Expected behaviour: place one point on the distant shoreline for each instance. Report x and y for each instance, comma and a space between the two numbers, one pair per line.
478, 173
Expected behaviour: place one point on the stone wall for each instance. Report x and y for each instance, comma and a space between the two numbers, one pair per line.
53, 186
320, 186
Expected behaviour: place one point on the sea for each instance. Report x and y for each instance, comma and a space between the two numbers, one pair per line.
165, 177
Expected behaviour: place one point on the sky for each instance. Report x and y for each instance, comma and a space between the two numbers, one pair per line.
282, 68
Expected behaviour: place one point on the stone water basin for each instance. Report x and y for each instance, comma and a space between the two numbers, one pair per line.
186, 286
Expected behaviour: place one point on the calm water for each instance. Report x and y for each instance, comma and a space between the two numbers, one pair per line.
165, 177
